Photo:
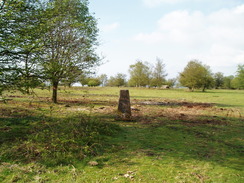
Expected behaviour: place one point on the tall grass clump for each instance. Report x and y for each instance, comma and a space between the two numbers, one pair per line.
59, 141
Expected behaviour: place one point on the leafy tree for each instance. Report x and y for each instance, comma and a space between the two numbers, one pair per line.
240, 76
196, 75
111, 81
228, 82
20, 45
234, 83
118, 80
158, 74
69, 40
104, 79
54, 40
93, 82
218, 80
171, 82
139, 74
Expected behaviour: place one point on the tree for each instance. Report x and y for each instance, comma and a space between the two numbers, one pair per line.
171, 82
240, 76
158, 74
139, 74
69, 40
93, 82
54, 41
104, 79
196, 75
228, 84
20, 46
235, 83
118, 80
218, 80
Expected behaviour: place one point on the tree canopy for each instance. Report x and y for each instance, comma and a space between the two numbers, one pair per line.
139, 74
239, 80
20, 27
196, 75
118, 80
218, 80
158, 74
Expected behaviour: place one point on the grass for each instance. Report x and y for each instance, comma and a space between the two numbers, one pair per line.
187, 137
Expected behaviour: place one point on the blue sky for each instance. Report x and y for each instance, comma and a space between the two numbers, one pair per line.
176, 31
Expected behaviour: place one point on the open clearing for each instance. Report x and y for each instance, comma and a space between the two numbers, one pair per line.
175, 136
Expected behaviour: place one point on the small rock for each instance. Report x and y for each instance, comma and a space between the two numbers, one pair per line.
126, 175
93, 163
129, 174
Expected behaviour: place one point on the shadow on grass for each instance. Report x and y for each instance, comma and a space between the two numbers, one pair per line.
218, 144
54, 141
14, 128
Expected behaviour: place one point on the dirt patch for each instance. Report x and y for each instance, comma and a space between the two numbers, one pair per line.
174, 103
16, 96
86, 102
190, 114
72, 101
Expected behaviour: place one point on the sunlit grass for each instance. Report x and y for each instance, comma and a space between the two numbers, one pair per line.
181, 141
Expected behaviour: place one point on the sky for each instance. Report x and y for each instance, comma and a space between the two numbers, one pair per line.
176, 31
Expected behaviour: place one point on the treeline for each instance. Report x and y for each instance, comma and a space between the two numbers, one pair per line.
194, 76
142, 74
199, 76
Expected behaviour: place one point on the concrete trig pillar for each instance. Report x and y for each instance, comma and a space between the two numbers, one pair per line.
124, 108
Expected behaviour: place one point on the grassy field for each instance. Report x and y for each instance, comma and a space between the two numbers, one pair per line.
175, 136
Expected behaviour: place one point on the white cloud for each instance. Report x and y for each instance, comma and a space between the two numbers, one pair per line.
110, 27
177, 27
216, 38
153, 3
239, 9
219, 55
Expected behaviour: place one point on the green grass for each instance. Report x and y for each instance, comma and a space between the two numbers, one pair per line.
183, 140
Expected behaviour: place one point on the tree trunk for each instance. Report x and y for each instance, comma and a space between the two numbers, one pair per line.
191, 89
204, 88
55, 92
27, 74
